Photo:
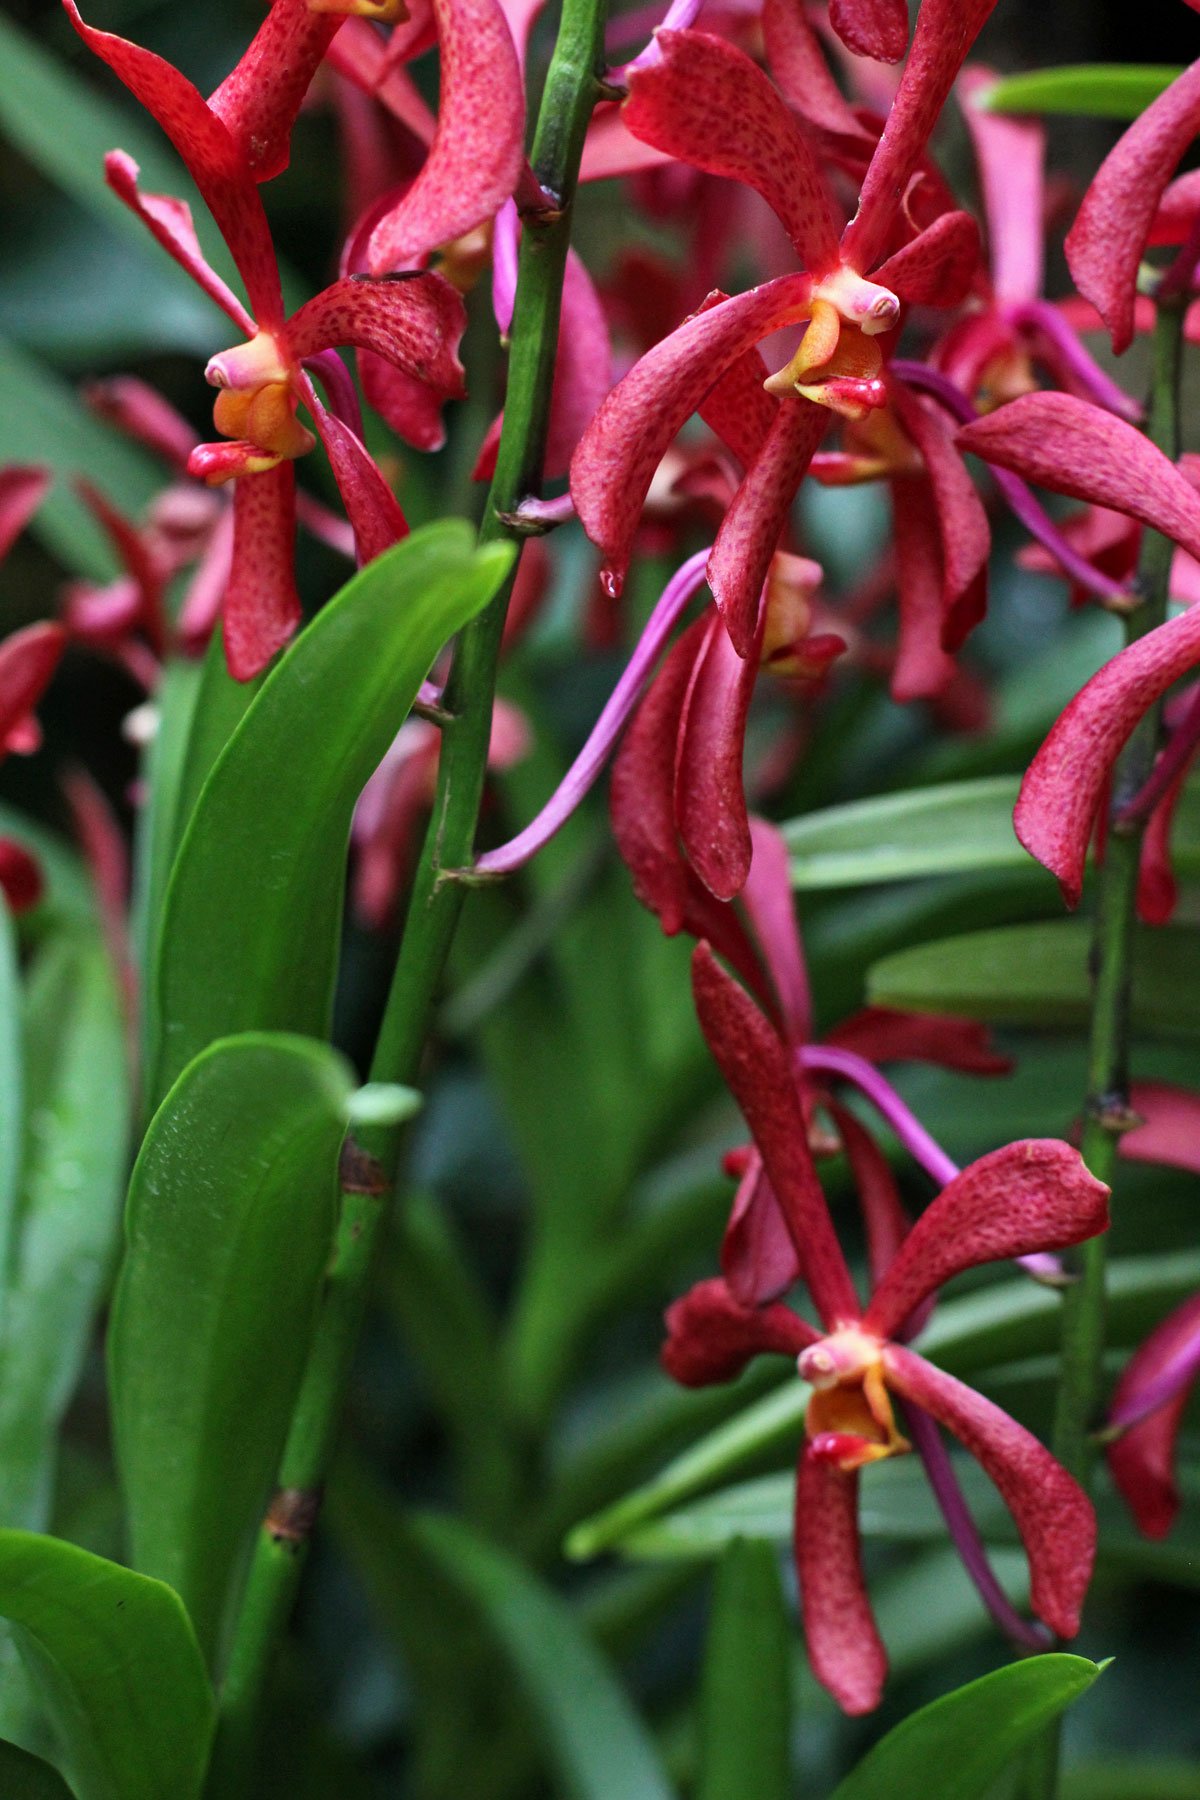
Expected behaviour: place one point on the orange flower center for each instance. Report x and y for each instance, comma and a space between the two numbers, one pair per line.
850, 1421
256, 404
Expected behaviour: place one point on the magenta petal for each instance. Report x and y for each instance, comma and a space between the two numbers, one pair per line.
884, 1219
410, 407
1170, 1129
754, 1062
1075, 448
1142, 1460
844, 1648
478, 146
624, 444
796, 61
749, 532
938, 266
884, 1034
1051, 1511
415, 324
215, 163
1035, 1194
1105, 244
170, 222
875, 28
142, 413
922, 668
582, 367
259, 99
966, 539
28, 660
707, 104
711, 1336
261, 608
23, 487
758, 1258
945, 31
739, 408
1011, 155
1065, 783
371, 507
767, 899
710, 798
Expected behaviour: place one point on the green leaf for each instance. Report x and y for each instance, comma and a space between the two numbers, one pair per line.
596, 1742
11, 1084
1102, 90
117, 1666
1037, 975
62, 1241
969, 1736
261, 868
745, 1744
68, 897
944, 830
1132, 1778
25, 1777
229, 1226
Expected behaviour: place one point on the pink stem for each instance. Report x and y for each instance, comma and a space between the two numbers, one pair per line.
1181, 747
679, 591
965, 1532
1020, 497
1042, 316
678, 16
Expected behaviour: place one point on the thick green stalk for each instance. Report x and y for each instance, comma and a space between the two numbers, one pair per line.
1107, 1110
370, 1165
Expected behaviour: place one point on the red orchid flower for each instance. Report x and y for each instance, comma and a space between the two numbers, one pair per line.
1074, 448
28, 660
1028, 1197
415, 323
706, 103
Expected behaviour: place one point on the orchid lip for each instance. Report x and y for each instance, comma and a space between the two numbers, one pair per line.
257, 363
841, 1357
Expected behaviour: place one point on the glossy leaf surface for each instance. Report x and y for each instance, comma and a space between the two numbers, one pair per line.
1101, 90
25, 1777
924, 831
745, 1731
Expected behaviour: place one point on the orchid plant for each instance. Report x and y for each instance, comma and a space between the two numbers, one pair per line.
387, 1219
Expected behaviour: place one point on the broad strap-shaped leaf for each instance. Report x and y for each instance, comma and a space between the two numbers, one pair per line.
25, 1777
1098, 90
11, 1080
229, 1229
964, 1740
262, 864
939, 830
745, 1731
116, 1663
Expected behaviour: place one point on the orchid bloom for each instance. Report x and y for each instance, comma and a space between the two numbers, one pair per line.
28, 660
414, 323
1027, 1197
706, 103
1074, 448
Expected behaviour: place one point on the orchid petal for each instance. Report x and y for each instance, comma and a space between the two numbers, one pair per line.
1074, 448
169, 222
1011, 155
739, 408
624, 444
215, 163
710, 798
944, 33
360, 55
1105, 244
803, 76
884, 1034
874, 28
478, 146
1065, 783
373, 510
1036, 1194
1170, 1126
767, 899
261, 608
1142, 1460
1157, 889
758, 1258
21, 880
938, 266
754, 1062
707, 104
884, 1219
259, 99
23, 487
582, 367
749, 533
415, 323
610, 148
28, 659
411, 408
922, 668
1052, 1513
133, 551
844, 1647
201, 604
966, 538
143, 414
711, 1336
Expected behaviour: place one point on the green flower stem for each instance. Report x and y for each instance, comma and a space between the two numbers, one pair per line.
1108, 1113
571, 91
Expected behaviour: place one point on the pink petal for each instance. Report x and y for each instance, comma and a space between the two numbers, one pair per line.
411, 408
795, 60
134, 552
21, 880
610, 148
750, 531
938, 266
1011, 155
875, 28
1157, 889
1142, 1460
707, 104
1065, 783
478, 147
1170, 1128
767, 899
28, 659
361, 55
922, 668
710, 800
23, 487
883, 1034
739, 408
962, 522
582, 367
1033, 1195
371, 507
261, 608
945, 31
844, 1648
1075, 448
711, 1336
1105, 244
215, 163
624, 444
259, 99
169, 222
1052, 1513
201, 603
415, 323
884, 1218
142, 413
754, 1062
758, 1258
